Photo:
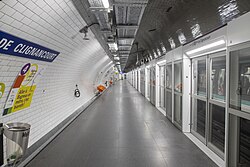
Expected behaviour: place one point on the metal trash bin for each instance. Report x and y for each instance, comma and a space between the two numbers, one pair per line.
17, 137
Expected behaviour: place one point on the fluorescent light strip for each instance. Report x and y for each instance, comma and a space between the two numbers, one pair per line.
220, 42
105, 3
210, 52
160, 62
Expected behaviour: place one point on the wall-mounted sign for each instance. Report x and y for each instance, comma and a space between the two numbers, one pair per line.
171, 42
22, 91
12, 45
181, 37
2, 88
163, 48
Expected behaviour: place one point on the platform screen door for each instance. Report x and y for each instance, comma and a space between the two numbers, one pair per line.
152, 85
162, 87
208, 100
142, 81
168, 85
239, 105
178, 94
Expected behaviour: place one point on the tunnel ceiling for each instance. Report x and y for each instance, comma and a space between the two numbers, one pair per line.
144, 28
167, 24
115, 25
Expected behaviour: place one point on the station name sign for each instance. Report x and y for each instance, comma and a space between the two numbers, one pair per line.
15, 46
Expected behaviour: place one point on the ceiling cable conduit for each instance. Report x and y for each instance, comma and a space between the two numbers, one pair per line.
119, 21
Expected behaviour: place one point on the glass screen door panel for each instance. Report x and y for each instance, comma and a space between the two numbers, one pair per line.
199, 97
148, 83
178, 93
151, 84
199, 117
200, 77
218, 78
240, 80
152, 87
208, 100
138, 80
169, 91
217, 92
178, 109
169, 76
239, 105
162, 86
169, 104
178, 77
134, 79
244, 143
142, 81
217, 126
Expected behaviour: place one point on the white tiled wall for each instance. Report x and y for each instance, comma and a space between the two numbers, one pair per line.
50, 23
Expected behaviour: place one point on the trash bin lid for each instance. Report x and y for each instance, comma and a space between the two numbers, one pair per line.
17, 126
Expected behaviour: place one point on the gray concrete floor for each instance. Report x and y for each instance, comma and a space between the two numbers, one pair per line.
121, 129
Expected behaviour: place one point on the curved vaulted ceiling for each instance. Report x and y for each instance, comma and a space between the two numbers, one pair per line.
180, 22
115, 25
163, 23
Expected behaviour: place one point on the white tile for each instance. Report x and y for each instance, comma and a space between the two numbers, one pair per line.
38, 11
11, 3
24, 1
19, 7
1, 5
40, 3
17, 24
28, 13
1, 15
8, 10
26, 21
7, 19
18, 16
30, 5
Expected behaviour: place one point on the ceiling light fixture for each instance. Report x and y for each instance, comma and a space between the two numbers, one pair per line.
161, 62
105, 3
214, 44
113, 46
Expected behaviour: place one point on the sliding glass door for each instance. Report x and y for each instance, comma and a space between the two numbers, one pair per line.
199, 97
169, 91
148, 80
152, 85
142, 81
162, 71
208, 100
178, 94
239, 106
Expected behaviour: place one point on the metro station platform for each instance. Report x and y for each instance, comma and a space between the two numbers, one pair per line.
121, 129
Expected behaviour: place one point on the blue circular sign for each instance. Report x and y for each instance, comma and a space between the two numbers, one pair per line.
25, 69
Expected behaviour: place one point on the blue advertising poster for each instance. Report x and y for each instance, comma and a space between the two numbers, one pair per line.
12, 45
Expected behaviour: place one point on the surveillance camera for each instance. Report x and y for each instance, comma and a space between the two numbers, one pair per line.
84, 30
